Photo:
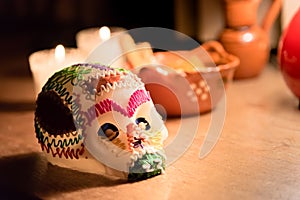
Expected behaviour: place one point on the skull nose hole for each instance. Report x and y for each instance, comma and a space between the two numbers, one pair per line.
137, 142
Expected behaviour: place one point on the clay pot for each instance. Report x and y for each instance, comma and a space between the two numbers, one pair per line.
182, 91
244, 9
245, 38
289, 55
251, 45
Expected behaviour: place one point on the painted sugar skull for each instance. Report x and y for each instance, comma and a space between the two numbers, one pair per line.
98, 119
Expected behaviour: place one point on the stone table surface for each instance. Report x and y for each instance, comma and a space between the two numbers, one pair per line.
257, 155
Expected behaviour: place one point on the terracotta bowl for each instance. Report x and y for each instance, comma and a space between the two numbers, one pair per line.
180, 87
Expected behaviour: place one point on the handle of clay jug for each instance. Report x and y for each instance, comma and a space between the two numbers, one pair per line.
271, 15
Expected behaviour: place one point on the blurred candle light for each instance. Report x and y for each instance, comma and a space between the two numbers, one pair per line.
45, 63
88, 39
60, 53
104, 33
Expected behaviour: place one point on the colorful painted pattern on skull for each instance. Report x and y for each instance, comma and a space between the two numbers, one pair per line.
92, 112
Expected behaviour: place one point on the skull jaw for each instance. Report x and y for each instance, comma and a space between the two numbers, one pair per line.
134, 177
149, 165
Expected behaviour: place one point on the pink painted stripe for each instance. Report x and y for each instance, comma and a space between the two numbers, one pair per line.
136, 99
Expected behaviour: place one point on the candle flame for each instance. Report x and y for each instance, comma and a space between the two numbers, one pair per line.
104, 33
59, 53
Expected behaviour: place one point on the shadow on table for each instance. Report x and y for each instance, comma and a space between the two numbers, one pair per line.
28, 176
290, 103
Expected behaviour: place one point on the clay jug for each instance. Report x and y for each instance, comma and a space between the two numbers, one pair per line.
289, 55
245, 38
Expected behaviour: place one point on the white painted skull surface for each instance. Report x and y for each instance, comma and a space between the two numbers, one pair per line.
98, 119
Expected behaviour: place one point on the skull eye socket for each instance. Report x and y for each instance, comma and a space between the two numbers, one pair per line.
143, 123
108, 130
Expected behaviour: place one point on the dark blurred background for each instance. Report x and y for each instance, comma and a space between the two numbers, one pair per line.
31, 25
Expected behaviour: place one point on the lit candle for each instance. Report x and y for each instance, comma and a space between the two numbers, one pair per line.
104, 33
46, 62
88, 39
59, 53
